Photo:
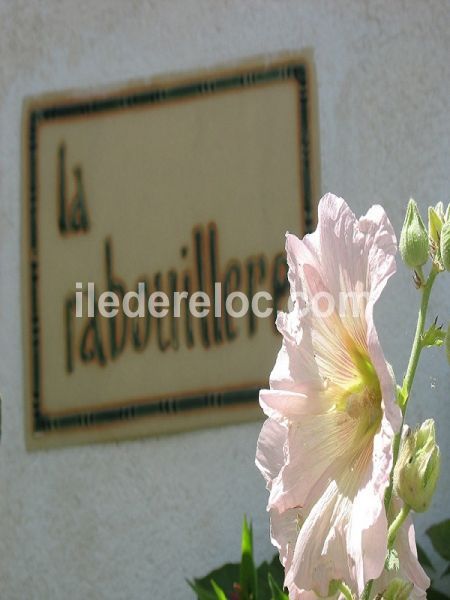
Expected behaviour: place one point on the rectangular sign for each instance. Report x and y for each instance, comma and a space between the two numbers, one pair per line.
138, 202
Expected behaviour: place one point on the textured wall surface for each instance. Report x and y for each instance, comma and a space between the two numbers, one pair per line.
133, 520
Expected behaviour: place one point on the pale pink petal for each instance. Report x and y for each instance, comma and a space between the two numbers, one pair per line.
295, 368
380, 249
341, 260
319, 554
345, 532
270, 449
315, 451
296, 594
298, 254
410, 566
354, 252
385, 375
279, 404
373, 547
284, 528
367, 529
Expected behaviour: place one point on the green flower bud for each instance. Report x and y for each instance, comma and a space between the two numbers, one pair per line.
417, 470
439, 209
447, 214
445, 245
414, 238
398, 590
434, 225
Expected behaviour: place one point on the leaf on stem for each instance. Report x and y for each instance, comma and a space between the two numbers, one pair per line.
434, 336
433, 594
220, 594
248, 579
277, 592
392, 562
439, 535
202, 594
423, 558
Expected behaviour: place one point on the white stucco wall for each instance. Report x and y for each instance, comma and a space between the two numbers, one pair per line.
133, 520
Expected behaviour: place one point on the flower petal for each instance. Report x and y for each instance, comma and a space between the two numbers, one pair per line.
319, 554
280, 404
316, 450
270, 449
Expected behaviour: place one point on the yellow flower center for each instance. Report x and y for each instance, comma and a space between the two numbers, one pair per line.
361, 399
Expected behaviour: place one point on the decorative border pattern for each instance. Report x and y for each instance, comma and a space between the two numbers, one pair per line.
176, 404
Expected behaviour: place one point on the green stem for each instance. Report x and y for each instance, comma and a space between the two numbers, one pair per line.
417, 344
410, 372
396, 524
396, 449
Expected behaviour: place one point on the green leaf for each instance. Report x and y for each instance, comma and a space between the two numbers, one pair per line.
225, 577
446, 572
247, 579
276, 570
433, 594
439, 535
228, 575
401, 396
202, 594
423, 558
220, 594
434, 336
277, 592
392, 563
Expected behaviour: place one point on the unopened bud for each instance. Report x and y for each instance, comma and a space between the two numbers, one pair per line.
418, 467
398, 590
439, 208
414, 238
445, 245
434, 225
447, 214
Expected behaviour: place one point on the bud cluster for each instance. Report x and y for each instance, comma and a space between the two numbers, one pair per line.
417, 244
417, 470
439, 232
414, 246
398, 590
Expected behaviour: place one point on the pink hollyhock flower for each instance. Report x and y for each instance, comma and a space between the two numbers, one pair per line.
326, 448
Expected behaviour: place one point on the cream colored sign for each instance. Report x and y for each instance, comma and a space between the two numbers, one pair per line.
177, 186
